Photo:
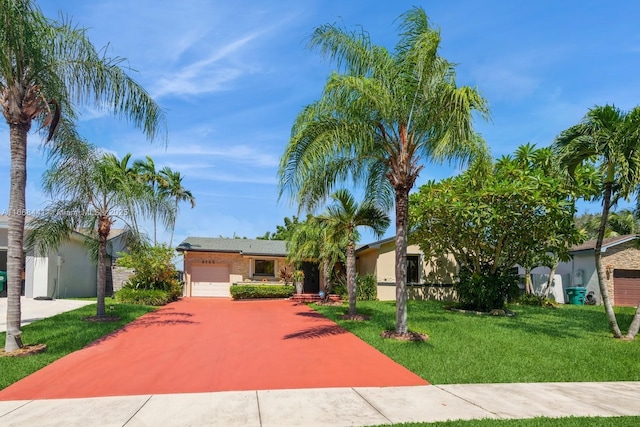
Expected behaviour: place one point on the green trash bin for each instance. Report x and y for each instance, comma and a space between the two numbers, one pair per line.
576, 295
3, 281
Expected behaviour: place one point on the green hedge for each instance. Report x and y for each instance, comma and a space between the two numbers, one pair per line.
156, 297
261, 291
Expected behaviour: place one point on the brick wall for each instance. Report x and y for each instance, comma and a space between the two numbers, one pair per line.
625, 256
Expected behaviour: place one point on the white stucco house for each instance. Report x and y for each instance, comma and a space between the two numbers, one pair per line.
67, 272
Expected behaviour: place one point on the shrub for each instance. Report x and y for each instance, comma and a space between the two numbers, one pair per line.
154, 270
261, 291
129, 295
485, 292
367, 288
535, 300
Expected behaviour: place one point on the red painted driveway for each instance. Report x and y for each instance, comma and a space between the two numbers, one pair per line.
203, 345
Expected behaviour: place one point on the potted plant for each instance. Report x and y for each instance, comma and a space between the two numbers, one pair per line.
298, 279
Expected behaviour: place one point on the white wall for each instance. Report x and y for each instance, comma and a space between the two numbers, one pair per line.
77, 271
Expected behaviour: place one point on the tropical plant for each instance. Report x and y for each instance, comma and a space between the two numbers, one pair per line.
153, 269
491, 221
342, 218
283, 232
609, 138
619, 223
376, 123
91, 194
160, 207
176, 192
47, 67
311, 241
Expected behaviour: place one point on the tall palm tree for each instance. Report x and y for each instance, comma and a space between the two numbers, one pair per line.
311, 240
156, 184
44, 67
610, 138
175, 191
378, 121
90, 194
341, 220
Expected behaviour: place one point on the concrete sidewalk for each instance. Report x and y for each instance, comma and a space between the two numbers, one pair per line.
32, 309
333, 406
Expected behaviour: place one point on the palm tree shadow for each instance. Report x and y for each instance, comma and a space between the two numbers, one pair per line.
317, 332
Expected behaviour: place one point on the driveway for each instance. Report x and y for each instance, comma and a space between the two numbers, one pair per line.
205, 345
33, 310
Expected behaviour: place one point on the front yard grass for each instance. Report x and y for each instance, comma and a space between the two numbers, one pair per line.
570, 343
63, 334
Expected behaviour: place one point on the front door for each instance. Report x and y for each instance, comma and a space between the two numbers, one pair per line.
311, 277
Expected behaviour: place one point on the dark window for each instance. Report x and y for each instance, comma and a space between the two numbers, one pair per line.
413, 268
264, 267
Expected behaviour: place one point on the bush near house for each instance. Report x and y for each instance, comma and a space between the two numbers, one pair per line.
366, 288
155, 281
261, 291
485, 292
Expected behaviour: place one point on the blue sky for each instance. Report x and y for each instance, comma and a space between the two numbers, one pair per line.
232, 76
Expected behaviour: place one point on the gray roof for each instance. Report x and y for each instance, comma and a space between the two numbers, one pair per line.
590, 245
242, 246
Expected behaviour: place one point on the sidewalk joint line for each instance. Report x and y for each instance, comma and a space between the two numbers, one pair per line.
259, 412
19, 407
138, 410
372, 405
469, 401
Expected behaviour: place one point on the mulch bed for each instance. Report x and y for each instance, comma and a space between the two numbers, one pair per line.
26, 350
409, 336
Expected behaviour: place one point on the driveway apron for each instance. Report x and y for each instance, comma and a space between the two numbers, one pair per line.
204, 345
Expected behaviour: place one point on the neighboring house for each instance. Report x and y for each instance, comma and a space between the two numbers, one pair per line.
425, 277
67, 272
621, 261
212, 265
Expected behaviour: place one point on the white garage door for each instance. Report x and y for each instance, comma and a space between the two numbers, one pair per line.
210, 281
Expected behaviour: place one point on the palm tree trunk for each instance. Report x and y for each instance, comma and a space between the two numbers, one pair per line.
635, 324
15, 253
604, 293
326, 285
351, 276
402, 214
104, 227
173, 222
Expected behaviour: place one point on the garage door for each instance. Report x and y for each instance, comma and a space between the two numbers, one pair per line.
210, 281
626, 287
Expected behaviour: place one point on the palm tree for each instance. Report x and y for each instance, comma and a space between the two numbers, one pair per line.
46, 68
175, 191
311, 241
610, 138
378, 121
91, 194
156, 184
342, 220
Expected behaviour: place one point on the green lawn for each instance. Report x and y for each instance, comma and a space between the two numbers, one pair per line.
570, 343
536, 422
63, 334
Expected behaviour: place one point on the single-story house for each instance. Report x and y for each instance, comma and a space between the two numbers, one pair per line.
212, 265
621, 261
378, 258
67, 272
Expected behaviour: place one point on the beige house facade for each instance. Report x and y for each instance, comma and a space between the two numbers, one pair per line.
427, 278
213, 265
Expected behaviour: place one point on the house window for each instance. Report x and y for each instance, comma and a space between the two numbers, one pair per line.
413, 268
264, 267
